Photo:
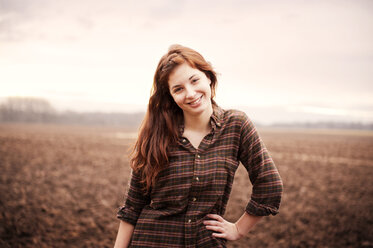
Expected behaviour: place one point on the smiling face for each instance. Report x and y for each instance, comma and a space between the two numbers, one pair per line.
190, 89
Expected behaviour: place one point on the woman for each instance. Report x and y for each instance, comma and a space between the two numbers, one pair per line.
184, 161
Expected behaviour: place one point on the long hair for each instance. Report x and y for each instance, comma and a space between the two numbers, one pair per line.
160, 127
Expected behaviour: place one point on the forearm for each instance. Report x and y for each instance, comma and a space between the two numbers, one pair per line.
124, 235
246, 222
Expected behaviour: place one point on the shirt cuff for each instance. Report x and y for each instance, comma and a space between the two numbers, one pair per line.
257, 209
128, 215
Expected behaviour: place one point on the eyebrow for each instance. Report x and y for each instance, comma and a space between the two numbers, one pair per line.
192, 76
173, 87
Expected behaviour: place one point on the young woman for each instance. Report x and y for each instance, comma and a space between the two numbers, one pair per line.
184, 162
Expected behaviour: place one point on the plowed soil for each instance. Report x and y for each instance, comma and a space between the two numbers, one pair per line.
60, 186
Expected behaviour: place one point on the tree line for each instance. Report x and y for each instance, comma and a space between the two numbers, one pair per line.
38, 110
326, 125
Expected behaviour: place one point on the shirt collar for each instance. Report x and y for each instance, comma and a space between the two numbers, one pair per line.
215, 119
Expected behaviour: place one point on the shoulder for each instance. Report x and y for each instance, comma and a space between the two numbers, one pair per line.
234, 115
239, 121
231, 117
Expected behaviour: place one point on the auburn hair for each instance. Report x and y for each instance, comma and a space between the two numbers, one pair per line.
160, 127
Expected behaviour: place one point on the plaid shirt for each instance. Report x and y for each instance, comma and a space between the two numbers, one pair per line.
198, 182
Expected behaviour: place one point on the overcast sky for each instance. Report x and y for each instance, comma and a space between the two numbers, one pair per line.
277, 60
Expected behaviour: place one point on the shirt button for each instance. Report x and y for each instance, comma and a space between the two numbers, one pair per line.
198, 156
194, 199
197, 179
184, 140
189, 221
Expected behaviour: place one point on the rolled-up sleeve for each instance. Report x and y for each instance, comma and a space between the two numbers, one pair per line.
135, 201
264, 176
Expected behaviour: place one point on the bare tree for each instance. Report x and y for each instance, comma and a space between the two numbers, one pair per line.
26, 109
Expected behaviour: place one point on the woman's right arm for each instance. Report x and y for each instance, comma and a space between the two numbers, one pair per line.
129, 213
124, 235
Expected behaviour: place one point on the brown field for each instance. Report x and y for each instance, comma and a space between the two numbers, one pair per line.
60, 186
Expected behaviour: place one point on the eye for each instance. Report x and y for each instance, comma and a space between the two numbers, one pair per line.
195, 80
177, 90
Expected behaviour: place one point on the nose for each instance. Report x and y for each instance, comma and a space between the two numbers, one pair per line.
190, 92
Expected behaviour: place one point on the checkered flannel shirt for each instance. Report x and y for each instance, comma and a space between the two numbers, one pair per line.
198, 182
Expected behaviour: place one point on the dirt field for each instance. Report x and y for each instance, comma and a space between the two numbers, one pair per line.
61, 186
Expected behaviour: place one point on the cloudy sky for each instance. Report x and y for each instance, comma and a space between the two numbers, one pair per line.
282, 60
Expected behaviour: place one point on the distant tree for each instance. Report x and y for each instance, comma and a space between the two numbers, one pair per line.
38, 110
26, 109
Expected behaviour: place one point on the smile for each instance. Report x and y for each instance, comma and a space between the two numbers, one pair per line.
195, 102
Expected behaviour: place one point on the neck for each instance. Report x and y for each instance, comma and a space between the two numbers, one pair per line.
199, 122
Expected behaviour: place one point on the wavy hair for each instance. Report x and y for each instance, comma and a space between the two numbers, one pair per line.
160, 127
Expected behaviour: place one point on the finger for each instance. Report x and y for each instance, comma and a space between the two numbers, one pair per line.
219, 235
212, 222
216, 217
215, 228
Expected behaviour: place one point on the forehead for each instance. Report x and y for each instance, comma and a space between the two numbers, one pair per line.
182, 73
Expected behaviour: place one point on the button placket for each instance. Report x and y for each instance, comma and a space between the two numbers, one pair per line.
196, 178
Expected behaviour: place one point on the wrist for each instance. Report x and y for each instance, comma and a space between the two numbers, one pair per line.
240, 235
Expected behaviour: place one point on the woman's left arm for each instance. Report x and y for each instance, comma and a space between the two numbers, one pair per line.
266, 182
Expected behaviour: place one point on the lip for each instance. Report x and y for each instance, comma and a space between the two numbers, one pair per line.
195, 102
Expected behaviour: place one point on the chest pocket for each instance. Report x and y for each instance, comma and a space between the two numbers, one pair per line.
220, 176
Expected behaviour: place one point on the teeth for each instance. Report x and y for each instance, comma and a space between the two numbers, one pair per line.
196, 101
